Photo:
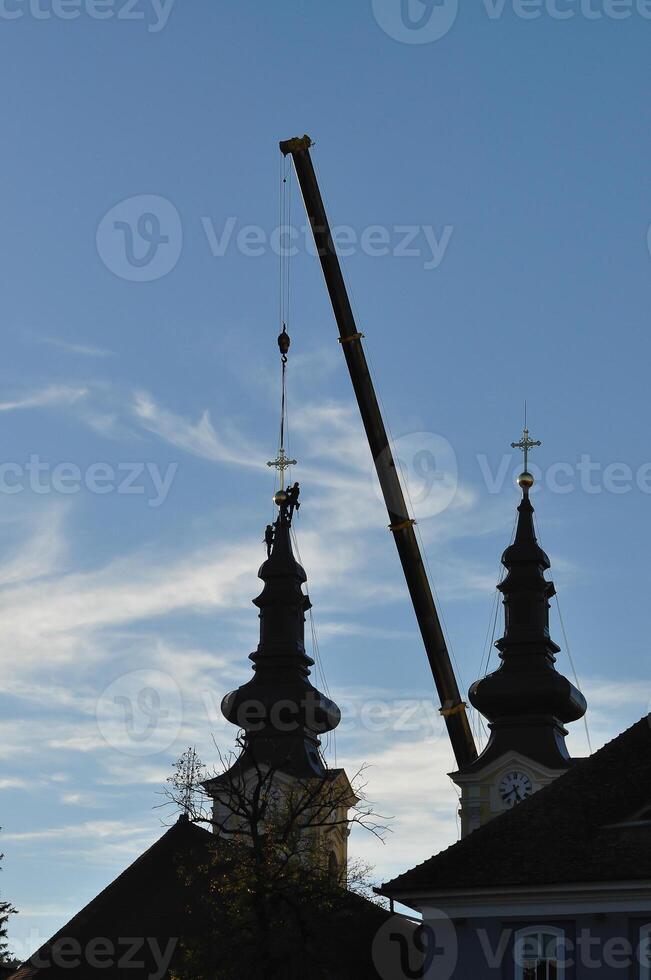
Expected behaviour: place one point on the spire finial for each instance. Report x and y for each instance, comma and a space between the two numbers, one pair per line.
525, 480
282, 463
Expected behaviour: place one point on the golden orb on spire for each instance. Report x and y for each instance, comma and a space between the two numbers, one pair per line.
280, 498
525, 481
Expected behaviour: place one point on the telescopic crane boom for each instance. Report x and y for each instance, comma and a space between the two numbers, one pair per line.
453, 708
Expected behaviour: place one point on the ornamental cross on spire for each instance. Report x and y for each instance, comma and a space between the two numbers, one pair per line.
525, 445
281, 463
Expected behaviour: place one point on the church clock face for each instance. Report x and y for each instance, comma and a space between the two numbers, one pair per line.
515, 787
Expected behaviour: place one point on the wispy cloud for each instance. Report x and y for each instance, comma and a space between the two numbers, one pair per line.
108, 836
197, 438
14, 782
42, 550
88, 799
73, 348
63, 617
52, 395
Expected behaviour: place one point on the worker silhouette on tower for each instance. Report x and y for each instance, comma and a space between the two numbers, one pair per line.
269, 535
292, 500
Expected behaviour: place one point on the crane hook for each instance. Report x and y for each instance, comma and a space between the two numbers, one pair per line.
284, 343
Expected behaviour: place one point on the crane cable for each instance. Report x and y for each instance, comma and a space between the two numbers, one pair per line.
284, 273
284, 306
283, 440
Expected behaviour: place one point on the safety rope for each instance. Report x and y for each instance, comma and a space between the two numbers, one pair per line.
567, 645
576, 676
331, 737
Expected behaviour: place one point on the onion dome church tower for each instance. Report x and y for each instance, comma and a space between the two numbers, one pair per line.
279, 711
527, 701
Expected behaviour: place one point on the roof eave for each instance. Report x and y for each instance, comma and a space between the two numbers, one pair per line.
574, 897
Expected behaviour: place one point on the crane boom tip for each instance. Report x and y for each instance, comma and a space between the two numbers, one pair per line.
295, 145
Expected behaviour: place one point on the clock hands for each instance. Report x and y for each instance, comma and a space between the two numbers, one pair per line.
515, 789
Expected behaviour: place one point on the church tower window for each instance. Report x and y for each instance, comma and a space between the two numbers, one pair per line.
539, 954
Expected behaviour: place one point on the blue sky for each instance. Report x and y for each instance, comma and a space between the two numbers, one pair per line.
509, 158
